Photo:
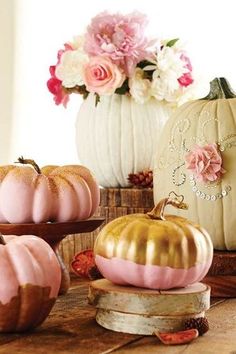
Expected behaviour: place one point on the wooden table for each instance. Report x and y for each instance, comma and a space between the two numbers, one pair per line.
71, 329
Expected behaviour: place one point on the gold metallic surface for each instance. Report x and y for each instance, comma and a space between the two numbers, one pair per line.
175, 242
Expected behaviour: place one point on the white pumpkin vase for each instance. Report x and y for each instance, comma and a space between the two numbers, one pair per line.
118, 136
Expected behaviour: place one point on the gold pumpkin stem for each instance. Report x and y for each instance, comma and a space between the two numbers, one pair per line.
2, 241
29, 162
158, 211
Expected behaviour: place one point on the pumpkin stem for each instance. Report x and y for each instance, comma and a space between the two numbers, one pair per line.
29, 162
2, 241
176, 201
220, 88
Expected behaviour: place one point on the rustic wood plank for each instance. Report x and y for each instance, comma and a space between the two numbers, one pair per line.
127, 197
220, 339
137, 197
70, 328
216, 301
224, 263
222, 285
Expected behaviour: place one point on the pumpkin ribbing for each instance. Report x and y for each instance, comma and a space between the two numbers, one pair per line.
66, 193
153, 251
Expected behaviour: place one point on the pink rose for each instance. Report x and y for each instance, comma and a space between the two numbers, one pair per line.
102, 76
205, 163
119, 37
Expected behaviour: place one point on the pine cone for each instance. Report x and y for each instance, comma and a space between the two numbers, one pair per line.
143, 179
200, 323
94, 273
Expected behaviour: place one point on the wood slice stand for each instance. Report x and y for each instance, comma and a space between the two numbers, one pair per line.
143, 311
53, 233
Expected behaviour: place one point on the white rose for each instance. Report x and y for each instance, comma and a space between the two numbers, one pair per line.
140, 88
70, 68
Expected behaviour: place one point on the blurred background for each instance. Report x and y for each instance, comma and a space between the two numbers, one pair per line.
31, 32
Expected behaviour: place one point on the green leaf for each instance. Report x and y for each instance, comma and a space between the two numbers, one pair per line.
85, 95
97, 99
143, 63
172, 42
148, 75
123, 89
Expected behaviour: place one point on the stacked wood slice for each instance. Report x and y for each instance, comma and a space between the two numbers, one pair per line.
143, 311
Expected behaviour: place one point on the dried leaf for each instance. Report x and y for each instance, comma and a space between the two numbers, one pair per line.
181, 337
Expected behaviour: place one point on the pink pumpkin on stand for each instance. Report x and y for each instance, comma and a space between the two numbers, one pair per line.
30, 279
154, 251
30, 194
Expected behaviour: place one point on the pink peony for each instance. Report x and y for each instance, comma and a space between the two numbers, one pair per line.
119, 37
55, 87
205, 163
186, 79
102, 76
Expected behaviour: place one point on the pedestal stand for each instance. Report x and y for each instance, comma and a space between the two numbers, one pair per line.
53, 233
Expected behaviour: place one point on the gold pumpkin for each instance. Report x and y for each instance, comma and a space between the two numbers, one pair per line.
205, 121
152, 250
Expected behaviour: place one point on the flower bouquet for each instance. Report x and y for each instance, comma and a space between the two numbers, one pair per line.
130, 84
115, 56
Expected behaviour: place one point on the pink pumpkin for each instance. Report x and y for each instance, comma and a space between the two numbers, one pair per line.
30, 280
30, 194
152, 250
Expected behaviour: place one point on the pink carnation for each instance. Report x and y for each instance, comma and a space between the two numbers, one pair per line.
54, 84
55, 87
186, 79
205, 163
119, 37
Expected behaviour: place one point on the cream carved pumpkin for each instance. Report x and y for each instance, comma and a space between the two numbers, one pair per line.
30, 280
205, 130
53, 193
118, 136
